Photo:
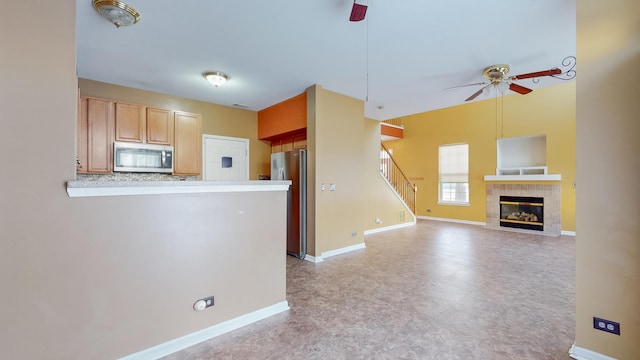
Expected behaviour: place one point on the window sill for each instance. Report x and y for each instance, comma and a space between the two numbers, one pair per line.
453, 203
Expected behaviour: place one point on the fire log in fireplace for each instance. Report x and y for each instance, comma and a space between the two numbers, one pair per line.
522, 212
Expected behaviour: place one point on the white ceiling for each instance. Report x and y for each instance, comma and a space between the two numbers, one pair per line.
273, 50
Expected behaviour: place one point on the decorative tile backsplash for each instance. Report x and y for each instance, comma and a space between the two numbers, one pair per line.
126, 176
550, 193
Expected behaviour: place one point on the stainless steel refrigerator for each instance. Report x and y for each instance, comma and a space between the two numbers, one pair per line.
292, 165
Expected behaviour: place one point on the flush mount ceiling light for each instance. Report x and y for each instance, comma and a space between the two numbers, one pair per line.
119, 13
216, 78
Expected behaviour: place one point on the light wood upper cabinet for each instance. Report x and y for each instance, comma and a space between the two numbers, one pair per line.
130, 122
159, 126
95, 136
187, 154
138, 123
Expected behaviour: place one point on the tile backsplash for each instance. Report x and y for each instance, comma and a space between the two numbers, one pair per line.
126, 176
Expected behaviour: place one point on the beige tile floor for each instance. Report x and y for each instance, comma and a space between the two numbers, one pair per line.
434, 291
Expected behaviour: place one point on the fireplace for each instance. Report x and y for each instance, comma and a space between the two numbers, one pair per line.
522, 212
551, 216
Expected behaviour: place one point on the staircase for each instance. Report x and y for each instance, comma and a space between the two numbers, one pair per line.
397, 179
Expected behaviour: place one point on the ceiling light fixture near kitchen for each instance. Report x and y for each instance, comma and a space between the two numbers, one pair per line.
119, 13
216, 78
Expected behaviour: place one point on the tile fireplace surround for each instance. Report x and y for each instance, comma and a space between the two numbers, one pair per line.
550, 193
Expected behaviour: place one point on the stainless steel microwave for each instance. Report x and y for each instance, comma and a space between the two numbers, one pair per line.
134, 157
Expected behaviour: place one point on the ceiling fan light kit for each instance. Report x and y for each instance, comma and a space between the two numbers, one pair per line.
117, 12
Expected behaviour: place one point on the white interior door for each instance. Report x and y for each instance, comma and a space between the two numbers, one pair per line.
225, 158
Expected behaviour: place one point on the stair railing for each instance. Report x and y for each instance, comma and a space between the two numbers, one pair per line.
398, 180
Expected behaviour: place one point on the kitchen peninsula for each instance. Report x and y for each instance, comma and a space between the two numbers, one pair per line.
154, 248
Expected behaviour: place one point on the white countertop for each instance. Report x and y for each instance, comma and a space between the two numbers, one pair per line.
120, 188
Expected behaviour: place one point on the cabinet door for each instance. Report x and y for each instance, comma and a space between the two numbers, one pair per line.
187, 155
159, 126
130, 122
100, 123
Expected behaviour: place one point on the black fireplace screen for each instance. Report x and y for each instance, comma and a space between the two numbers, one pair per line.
522, 212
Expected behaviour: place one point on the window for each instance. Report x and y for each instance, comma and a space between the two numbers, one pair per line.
453, 169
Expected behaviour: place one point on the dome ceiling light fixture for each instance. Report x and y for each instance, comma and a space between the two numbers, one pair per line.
119, 13
216, 78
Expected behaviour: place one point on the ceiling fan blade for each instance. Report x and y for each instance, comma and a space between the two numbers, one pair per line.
519, 89
549, 72
459, 86
475, 95
358, 12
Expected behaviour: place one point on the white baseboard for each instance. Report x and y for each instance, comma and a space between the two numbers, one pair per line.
453, 220
387, 228
563, 232
313, 259
184, 342
579, 353
330, 253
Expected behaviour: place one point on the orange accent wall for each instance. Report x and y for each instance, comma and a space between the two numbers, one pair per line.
392, 131
283, 118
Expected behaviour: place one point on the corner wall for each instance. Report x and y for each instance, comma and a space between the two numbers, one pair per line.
608, 196
335, 142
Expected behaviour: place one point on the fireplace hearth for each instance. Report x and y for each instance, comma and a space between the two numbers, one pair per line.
522, 212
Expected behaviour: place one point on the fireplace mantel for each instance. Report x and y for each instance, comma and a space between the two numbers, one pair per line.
537, 177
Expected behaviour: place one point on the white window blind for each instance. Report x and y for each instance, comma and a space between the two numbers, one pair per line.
453, 165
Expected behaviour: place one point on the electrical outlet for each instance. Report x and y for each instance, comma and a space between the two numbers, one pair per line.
606, 325
203, 303
354, 234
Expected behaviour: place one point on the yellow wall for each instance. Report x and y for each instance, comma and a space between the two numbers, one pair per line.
337, 148
608, 196
549, 111
216, 119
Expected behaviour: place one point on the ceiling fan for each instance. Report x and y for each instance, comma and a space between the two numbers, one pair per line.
497, 76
